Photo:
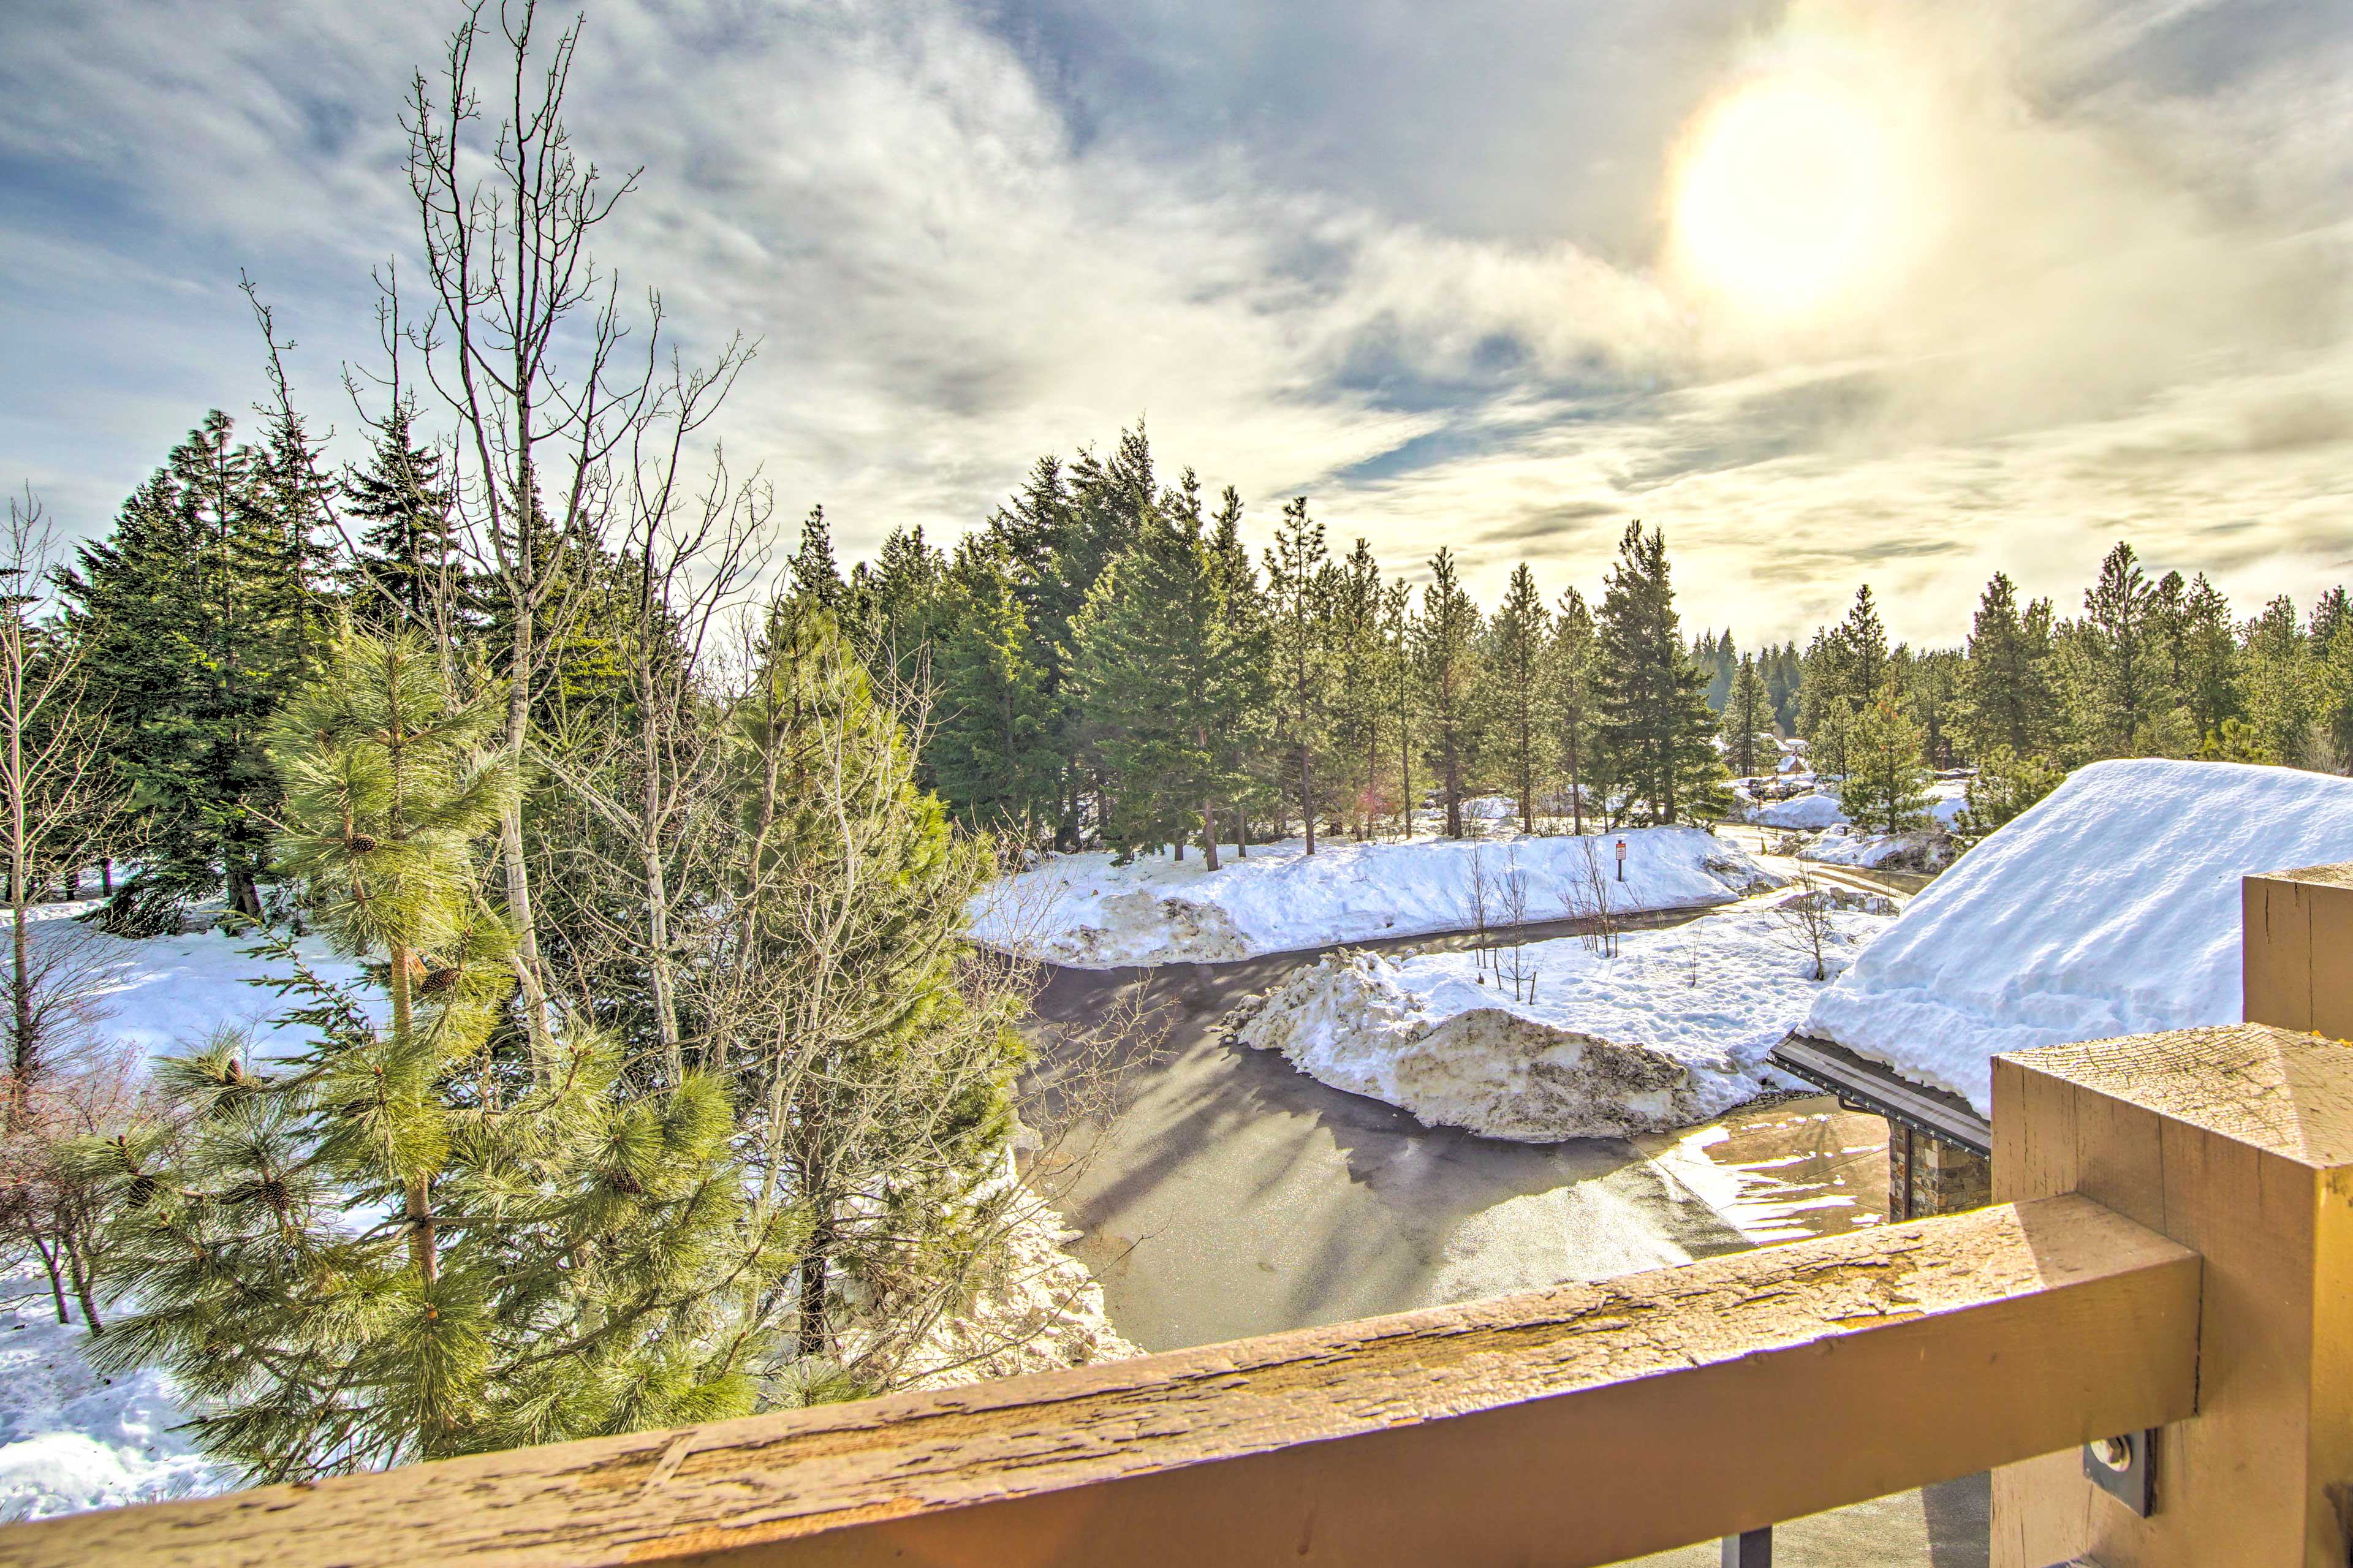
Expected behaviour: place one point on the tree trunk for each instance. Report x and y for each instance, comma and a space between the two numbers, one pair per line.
1307, 794
56, 1284
658, 961
416, 1195
1241, 832
1210, 831
78, 1265
510, 850
106, 877
814, 1260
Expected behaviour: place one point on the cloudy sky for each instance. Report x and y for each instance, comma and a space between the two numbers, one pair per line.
1833, 290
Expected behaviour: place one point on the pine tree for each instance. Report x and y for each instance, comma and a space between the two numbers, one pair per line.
1783, 672
408, 557
1298, 591
1748, 717
1571, 677
814, 576
1517, 701
1359, 709
876, 1081
389, 1251
1654, 723
1862, 637
1885, 788
196, 620
2281, 682
1243, 623
1446, 680
891, 609
2007, 699
2004, 785
2127, 696
992, 745
1155, 668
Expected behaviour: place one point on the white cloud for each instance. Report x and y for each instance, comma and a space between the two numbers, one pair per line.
2118, 306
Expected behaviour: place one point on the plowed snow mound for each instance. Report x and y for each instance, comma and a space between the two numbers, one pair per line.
2111, 908
1347, 1021
1671, 1031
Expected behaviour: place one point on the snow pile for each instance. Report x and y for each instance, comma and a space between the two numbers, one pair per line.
1045, 1312
1843, 846
2111, 908
1671, 1031
1081, 910
1802, 812
70, 1439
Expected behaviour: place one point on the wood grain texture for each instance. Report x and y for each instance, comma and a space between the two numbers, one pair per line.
2296, 961
1578, 1425
2236, 1142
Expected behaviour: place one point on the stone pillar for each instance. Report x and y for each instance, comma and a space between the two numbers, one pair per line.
1928, 1176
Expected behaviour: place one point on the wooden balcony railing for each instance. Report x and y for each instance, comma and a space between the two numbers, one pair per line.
2174, 1249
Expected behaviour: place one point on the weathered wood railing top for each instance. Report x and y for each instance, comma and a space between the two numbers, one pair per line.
1634, 1414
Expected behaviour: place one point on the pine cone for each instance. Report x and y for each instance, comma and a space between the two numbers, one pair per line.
361, 843
622, 1182
439, 981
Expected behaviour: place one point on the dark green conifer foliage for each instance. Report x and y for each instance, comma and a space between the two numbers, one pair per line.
2128, 695
198, 617
2007, 697
2209, 660
1518, 701
1747, 715
992, 746
1654, 723
383, 1251
1360, 708
1573, 705
815, 575
879, 1100
408, 553
1447, 681
1158, 671
1298, 591
1885, 789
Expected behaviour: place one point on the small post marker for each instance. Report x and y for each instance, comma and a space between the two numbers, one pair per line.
1621, 859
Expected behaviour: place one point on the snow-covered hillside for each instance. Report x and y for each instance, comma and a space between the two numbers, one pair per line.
70, 1439
167, 993
1082, 910
2111, 908
1671, 1031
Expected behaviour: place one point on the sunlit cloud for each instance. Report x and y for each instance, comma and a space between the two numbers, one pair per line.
1836, 291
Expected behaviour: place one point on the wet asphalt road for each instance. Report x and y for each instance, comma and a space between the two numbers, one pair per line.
1236, 1196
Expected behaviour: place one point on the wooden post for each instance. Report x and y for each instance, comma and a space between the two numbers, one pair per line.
2297, 953
2236, 1142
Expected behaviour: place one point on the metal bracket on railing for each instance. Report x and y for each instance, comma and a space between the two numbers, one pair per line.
1750, 1548
2125, 1469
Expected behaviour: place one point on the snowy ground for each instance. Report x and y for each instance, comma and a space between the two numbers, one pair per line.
1671, 1031
164, 994
2111, 908
1082, 910
70, 1439
1820, 808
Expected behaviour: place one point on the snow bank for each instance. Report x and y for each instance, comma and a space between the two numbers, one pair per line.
1081, 910
2111, 908
1671, 1031
70, 1439
1843, 846
1043, 1313
1802, 812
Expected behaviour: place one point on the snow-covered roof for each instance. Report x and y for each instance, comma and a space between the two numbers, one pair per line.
2111, 908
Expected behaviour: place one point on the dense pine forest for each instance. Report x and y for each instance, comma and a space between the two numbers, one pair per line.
676, 1090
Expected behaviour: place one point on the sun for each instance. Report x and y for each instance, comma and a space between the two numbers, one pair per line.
1784, 198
